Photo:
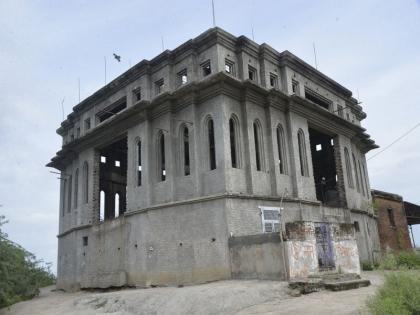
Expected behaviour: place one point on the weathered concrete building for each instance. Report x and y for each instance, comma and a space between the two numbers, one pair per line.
184, 168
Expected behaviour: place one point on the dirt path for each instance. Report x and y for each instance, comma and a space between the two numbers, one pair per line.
222, 297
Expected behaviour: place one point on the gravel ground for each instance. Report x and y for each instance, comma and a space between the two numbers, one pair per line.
221, 297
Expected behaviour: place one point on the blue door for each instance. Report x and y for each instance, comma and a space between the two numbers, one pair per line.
324, 247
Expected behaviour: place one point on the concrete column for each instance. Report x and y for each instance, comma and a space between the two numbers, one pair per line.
247, 153
340, 174
148, 167
270, 151
94, 192
294, 172
198, 164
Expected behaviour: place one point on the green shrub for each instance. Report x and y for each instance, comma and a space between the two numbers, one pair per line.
409, 260
388, 262
400, 295
366, 265
21, 274
401, 260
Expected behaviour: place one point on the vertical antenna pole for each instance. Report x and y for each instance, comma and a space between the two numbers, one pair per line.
163, 46
252, 29
214, 15
62, 107
316, 63
105, 68
78, 81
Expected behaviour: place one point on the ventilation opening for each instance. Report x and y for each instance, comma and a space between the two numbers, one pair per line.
317, 99
110, 111
113, 180
323, 161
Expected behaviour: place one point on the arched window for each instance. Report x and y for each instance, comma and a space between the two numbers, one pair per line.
211, 144
302, 153
361, 179
348, 168
69, 195
86, 182
139, 170
101, 205
63, 197
281, 147
186, 150
234, 141
258, 145
161, 157
356, 173
76, 188
366, 181
117, 205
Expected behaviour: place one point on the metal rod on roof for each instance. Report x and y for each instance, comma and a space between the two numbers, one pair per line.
214, 15
62, 107
316, 63
78, 81
163, 46
105, 68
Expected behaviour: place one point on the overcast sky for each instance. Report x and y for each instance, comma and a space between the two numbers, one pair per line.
370, 47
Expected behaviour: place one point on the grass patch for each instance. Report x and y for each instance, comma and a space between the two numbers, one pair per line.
400, 261
400, 295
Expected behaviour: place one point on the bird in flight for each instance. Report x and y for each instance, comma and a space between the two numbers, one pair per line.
117, 57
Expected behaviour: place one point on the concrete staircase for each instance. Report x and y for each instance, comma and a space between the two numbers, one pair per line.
333, 282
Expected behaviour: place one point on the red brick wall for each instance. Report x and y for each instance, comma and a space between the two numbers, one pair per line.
395, 238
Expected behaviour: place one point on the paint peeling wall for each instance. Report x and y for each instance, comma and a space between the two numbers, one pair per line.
301, 249
346, 253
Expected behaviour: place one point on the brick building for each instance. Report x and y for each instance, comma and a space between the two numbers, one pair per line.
185, 168
392, 221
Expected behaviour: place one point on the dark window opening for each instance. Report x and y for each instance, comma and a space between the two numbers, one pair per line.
274, 81
69, 197
182, 77
233, 143
86, 182
281, 147
295, 87
324, 168
257, 144
340, 111
87, 124
391, 217
78, 132
186, 148
357, 174
137, 94
159, 86
113, 180
206, 68
161, 157
76, 188
348, 168
303, 160
356, 226
252, 73
139, 163
85, 241
110, 111
212, 147
317, 99
63, 197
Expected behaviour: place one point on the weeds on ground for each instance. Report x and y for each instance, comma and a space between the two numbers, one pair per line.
367, 266
399, 295
400, 261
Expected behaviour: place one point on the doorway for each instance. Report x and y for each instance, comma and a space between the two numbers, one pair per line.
324, 247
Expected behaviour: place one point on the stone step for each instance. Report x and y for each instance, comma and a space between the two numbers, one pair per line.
346, 285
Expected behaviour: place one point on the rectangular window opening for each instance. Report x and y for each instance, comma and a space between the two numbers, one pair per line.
87, 124
182, 77
356, 226
340, 111
274, 81
117, 163
103, 159
136, 94
391, 217
85, 241
159, 86
252, 73
230, 67
111, 110
206, 68
317, 99
295, 87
